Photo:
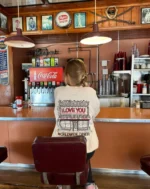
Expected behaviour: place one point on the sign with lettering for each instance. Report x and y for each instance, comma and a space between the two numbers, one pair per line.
46, 74
74, 110
4, 79
42, 52
63, 19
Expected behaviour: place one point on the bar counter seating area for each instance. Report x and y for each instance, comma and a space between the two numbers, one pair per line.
37, 40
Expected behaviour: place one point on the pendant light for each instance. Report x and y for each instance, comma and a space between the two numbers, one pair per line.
94, 37
19, 41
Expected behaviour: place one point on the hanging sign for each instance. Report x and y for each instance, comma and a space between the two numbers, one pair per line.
46, 74
4, 80
63, 19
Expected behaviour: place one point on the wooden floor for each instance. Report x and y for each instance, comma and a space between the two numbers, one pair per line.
30, 179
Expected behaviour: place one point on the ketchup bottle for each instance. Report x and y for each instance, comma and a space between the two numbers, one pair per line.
19, 103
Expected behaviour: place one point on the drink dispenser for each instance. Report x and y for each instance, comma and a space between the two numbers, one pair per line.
25, 88
43, 82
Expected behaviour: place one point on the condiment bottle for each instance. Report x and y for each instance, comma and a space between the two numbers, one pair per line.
19, 103
144, 89
134, 88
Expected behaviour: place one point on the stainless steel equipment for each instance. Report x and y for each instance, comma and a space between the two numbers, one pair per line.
42, 96
25, 88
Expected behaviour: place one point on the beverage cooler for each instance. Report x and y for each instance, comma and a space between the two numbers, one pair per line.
40, 84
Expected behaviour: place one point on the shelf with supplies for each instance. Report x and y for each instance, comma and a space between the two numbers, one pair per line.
140, 79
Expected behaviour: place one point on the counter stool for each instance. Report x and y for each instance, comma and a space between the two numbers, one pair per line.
61, 160
145, 163
3, 153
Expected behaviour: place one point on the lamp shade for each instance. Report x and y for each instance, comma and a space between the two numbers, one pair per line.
94, 37
19, 40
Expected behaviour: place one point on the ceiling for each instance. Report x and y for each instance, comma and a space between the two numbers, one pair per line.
14, 3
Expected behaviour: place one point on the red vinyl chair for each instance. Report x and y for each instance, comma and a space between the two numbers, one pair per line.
3, 153
145, 163
61, 160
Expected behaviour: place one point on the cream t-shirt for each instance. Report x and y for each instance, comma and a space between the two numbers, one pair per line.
75, 110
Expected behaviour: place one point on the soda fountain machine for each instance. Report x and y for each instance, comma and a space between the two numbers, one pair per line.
43, 82
39, 86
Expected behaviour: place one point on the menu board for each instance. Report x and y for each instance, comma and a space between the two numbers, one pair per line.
4, 80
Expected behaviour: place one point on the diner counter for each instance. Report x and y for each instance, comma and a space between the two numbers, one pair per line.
108, 114
123, 135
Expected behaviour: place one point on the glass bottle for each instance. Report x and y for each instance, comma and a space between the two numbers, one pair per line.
117, 85
144, 89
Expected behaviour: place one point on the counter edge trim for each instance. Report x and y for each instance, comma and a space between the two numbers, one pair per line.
96, 170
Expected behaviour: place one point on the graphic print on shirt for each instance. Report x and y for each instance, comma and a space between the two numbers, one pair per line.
73, 118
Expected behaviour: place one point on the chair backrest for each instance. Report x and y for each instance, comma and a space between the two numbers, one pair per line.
145, 163
59, 154
3, 153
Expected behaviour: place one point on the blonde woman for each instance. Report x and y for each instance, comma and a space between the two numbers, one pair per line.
76, 106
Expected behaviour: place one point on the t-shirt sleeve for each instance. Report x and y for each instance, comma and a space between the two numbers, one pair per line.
56, 92
95, 104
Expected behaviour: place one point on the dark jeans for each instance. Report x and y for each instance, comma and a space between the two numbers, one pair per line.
90, 179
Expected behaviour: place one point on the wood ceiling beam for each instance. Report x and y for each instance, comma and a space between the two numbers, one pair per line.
63, 38
75, 5
70, 38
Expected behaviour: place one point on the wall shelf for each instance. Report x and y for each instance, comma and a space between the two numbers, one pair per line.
140, 94
142, 58
122, 72
143, 70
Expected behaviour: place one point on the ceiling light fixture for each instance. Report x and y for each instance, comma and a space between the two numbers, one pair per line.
94, 37
19, 41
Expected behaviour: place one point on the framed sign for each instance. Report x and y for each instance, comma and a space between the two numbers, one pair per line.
31, 23
80, 20
145, 15
47, 22
63, 19
16, 23
4, 75
3, 21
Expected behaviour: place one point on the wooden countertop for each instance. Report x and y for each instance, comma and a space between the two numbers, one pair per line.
110, 114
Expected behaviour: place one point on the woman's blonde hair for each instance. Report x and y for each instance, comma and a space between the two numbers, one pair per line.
76, 70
